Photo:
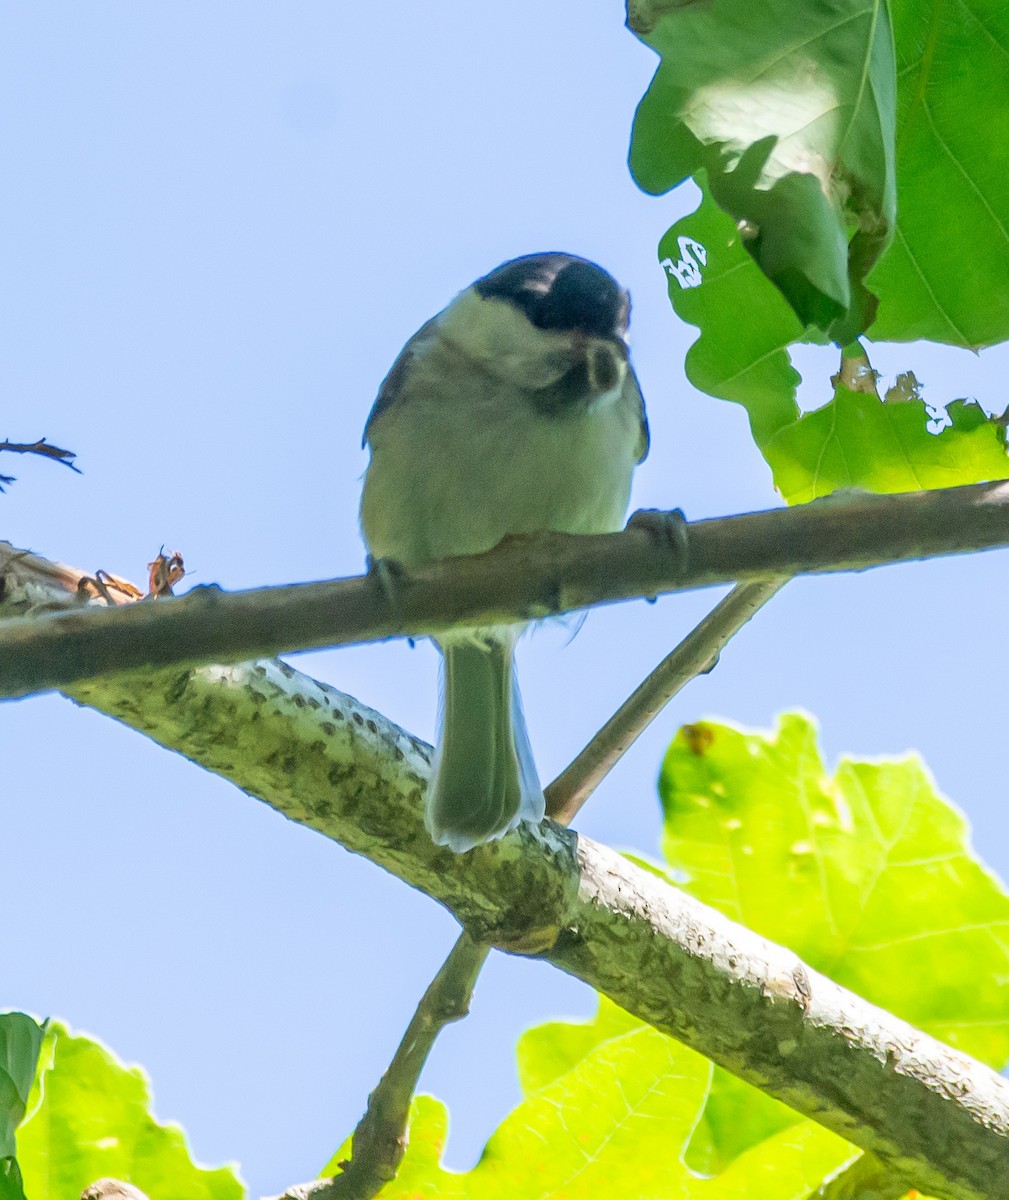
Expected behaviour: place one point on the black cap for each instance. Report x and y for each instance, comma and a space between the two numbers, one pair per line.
562, 292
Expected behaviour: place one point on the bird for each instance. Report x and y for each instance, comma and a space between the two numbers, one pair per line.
515, 410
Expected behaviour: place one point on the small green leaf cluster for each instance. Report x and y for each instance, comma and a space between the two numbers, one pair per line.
79, 1115
849, 157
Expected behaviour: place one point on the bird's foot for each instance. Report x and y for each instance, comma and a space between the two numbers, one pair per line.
667, 529
386, 574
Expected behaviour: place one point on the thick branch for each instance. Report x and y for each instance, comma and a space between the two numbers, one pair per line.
521, 579
112, 1189
931, 1114
380, 1138
865, 1179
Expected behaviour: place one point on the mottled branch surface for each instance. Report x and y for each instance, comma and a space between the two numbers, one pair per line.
521, 579
380, 1139
933, 1116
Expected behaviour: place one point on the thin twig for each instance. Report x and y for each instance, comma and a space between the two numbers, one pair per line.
41, 448
380, 1138
696, 655
523, 578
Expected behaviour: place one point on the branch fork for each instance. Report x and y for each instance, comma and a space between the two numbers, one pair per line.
927, 1113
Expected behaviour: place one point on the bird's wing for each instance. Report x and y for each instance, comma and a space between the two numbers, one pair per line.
392, 384
632, 391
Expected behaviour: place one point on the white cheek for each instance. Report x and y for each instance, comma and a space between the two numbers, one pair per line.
498, 337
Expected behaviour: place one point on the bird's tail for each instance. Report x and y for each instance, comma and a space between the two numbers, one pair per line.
484, 780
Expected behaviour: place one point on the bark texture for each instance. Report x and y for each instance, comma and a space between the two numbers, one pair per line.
522, 579
932, 1115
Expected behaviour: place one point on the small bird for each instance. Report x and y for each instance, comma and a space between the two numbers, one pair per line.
515, 410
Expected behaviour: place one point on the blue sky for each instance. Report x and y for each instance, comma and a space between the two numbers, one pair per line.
220, 223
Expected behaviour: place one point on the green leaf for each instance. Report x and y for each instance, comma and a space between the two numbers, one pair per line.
877, 844
20, 1043
867, 874
790, 107
946, 275
946, 271
614, 1124
712, 283
736, 1118
857, 441
546, 1052
93, 1120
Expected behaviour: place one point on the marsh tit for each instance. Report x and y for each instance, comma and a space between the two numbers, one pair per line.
514, 410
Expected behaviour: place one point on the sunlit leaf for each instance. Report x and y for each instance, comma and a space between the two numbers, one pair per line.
790, 108
548, 1051
946, 275
868, 874
856, 441
94, 1120
614, 1124
735, 1116
20, 1043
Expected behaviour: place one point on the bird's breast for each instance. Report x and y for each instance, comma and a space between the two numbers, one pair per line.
463, 460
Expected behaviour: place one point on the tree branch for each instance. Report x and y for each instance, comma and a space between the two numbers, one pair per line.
865, 1179
931, 1114
695, 655
41, 448
380, 1138
524, 578
112, 1189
